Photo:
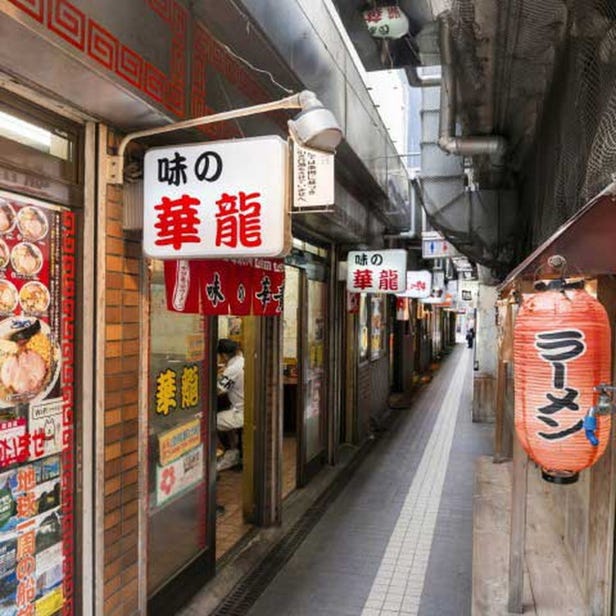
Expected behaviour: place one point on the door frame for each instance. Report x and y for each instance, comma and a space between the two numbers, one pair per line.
307, 469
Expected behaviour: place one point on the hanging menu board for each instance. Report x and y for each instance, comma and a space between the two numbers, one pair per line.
37, 275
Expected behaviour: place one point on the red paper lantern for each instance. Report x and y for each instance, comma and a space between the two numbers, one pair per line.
561, 347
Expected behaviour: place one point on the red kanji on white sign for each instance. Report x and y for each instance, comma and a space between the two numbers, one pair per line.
376, 271
224, 199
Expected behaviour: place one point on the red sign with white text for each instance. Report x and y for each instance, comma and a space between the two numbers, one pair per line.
223, 286
182, 284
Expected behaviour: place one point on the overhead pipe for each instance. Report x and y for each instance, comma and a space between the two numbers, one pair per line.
493, 145
412, 232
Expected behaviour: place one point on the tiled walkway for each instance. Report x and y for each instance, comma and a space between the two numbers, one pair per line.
398, 539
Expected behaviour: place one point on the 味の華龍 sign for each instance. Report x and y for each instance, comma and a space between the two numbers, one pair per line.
224, 199
376, 271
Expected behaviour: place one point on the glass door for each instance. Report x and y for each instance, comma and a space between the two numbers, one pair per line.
177, 446
313, 377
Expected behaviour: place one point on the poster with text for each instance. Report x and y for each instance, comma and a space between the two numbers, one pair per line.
37, 311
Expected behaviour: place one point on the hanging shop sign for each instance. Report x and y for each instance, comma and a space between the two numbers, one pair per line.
434, 246
313, 179
222, 199
268, 287
402, 309
182, 287
418, 284
561, 352
352, 302
438, 280
386, 22
239, 287
468, 291
447, 300
376, 271
37, 304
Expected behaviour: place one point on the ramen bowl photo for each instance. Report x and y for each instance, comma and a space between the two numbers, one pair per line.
28, 360
5, 255
34, 298
32, 223
8, 297
7, 216
26, 259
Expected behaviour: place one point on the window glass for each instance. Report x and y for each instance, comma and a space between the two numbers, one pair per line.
290, 325
176, 437
39, 152
315, 372
377, 326
47, 141
364, 338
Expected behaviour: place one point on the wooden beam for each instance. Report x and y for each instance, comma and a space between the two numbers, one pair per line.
499, 429
517, 536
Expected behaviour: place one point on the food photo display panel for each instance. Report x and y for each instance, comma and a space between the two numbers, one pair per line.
37, 286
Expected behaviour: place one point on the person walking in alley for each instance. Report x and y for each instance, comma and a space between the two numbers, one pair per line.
470, 336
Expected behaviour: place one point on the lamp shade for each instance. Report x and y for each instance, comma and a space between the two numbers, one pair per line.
315, 126
561, 351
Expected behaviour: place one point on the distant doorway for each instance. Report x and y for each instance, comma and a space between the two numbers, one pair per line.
291, 330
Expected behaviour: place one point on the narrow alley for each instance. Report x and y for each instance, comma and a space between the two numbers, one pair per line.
398, 539
307, 307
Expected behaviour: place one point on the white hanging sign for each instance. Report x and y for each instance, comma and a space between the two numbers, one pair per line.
418, 284
222, 199
436, 248
376, 271
313, 179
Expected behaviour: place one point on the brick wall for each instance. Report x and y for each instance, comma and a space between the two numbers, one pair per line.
123, 259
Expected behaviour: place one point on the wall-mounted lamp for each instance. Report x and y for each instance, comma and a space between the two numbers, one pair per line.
314, 127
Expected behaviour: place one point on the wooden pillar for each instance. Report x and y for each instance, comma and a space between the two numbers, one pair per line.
517, 538
499, 429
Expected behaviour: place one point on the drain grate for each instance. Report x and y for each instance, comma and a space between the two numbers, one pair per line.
243, 596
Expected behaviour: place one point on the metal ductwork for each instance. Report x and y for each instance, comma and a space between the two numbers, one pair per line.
492, 145
421, 81
479, 222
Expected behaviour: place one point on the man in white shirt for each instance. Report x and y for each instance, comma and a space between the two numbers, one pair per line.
230, 382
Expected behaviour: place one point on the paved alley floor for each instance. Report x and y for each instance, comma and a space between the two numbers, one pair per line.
398, 539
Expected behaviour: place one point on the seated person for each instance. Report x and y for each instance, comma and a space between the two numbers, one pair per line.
230, 382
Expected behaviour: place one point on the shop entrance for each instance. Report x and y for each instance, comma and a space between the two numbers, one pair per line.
234, 452
290, 379
304, 374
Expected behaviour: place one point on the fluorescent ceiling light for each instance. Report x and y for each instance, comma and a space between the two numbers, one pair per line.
24, 132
